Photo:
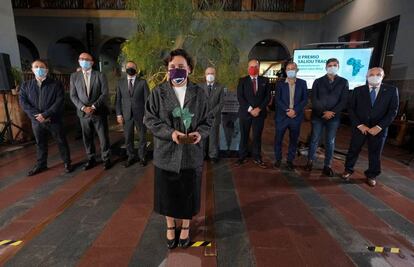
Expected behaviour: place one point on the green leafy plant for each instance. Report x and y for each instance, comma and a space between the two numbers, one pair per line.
166, 25
185, 116
17, 75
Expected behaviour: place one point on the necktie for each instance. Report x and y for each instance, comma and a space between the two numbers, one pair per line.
254, 86
130, 86
209, 89
87, 83
372, 94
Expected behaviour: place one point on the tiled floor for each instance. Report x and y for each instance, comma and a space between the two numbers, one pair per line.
263, 217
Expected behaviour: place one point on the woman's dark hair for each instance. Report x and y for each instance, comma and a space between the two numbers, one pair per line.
179, 52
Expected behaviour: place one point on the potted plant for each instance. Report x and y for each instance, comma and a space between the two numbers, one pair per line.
186, 118
17, 76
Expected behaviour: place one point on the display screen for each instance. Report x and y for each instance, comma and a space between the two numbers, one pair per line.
353, 64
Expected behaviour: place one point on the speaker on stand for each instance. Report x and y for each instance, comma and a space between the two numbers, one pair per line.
6, 84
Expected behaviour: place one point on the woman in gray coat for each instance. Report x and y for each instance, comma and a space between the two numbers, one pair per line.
177, 115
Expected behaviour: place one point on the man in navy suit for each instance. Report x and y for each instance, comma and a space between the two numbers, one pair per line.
290, 100
42, 98
253, 94
372, 109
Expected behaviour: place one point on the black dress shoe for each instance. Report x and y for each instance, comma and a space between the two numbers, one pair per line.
346, 176
214, 160
309, 166
143, 162
89, 164
277, 164
290, 166
185, 243
260, 163
129, 162
172, 243
240, 162
327, 171
36, 170
107, 164
68, 167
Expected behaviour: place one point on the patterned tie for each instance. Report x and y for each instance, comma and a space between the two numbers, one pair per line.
130, 86
254, 86
372, 94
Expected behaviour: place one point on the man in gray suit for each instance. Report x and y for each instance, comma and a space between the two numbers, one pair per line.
131, 95
89, 92
215, 95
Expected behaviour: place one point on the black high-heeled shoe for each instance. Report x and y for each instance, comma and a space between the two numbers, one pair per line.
185, 243
172, 243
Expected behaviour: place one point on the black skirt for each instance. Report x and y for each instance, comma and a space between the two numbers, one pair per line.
177, 194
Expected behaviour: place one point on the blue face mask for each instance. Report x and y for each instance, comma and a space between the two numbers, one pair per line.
291, 74
40, 72
85, 64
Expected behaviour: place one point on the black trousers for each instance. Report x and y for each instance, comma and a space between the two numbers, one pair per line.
375, 146
41, 131
129, 127
98, 124
257, 125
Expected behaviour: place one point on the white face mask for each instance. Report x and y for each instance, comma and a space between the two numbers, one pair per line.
210, 78
332, 70
374, 80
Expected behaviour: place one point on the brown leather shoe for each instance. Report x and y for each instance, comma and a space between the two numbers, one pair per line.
371, 182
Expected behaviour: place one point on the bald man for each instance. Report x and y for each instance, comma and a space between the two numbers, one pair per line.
215, 93
372, 109
89, 92
253, 93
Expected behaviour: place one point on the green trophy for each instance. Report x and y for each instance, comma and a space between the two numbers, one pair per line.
186, 118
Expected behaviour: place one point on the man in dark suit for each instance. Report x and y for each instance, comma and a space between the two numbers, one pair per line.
372, 109
89, 92
131, 95
42, 100
329, 98
253, 93
290, 100
215, 95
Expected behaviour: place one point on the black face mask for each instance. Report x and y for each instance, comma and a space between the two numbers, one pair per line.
131, 71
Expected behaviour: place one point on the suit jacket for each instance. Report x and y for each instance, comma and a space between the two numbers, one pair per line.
282, 100
98, 92
247, 98
328, 96
47, 100
382, 113
131, 106
215, 100
159, 120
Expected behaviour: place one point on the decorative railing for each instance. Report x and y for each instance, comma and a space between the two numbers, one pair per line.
273, 5
204, 5
226, 5
70, 4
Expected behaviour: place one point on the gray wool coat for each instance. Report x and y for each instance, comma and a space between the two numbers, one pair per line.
159, 120
215, 101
